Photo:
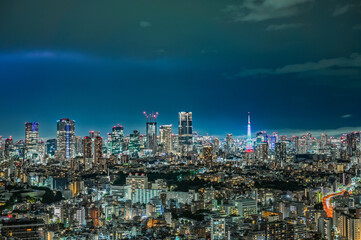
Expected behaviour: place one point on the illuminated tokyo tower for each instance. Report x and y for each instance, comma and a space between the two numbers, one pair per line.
249, 147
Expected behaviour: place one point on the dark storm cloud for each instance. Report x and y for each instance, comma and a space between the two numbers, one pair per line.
106, 63
353, 62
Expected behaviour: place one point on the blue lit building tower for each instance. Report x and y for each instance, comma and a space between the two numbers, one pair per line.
151, 131
249, 145
51, 146
66, 137
31, 137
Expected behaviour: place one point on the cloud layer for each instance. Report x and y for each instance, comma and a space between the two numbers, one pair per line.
341, 63
278, 27
256, 11
342, 10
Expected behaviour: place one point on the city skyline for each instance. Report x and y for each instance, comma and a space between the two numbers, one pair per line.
207, 119
243, 130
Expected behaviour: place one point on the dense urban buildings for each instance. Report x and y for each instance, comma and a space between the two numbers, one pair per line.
258, 135
180, 186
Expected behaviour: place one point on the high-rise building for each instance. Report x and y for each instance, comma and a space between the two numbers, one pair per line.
281, 151
185, 130
165, 132
218, 228
273, 141
51, 147
208, 156
116, 141
9, 148
263, 151
249, 146
98, 149
151, 131
134, 144
78, 146
94, 134
229, 143
66, 137
31, 137
216, 145
87, 147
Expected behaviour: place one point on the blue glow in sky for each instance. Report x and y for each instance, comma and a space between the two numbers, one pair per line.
295, 68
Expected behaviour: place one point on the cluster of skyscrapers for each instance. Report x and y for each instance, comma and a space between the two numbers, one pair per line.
67, 145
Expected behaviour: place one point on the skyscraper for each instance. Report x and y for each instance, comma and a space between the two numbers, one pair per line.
215, 145
207, 156
249, 146
94, 134
134, 145
98, 149
87, 147
229, 143
9, 148
78, 146
51, 147
116, 139
165, 132
31, 137
185, 130
281, 151
151, 131
66, 137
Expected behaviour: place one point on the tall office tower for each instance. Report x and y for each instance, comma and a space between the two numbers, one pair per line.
66, 137
19, 148
31, 137
41, 148
302, 146
78, 146
207, 156
281, 152
1, 148
98, 149
51, 147
323, 139
249, 146
352, 143
165, 132
295, 141
151, 131
185, 131
216, 145
116, 141
134, 145
94, 134
175, 142
9, 148
258, 138
263, 151
229, 143
273, 141
87, 147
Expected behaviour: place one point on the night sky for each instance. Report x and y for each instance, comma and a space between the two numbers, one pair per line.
294, 64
